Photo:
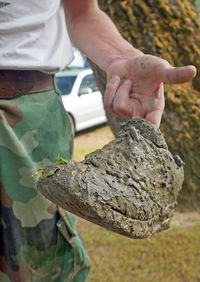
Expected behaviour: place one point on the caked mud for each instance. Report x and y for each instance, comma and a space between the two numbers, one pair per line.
130, 186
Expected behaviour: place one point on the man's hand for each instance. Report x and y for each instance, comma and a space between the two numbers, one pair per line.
134, 80
135, 86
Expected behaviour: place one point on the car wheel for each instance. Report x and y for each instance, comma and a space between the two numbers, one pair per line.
72, 124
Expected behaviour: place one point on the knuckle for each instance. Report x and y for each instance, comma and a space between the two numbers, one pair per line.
127, 84
120, 110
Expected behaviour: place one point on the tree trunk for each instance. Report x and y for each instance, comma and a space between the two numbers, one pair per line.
169, 29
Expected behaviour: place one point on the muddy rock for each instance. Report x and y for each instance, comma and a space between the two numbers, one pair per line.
130, 186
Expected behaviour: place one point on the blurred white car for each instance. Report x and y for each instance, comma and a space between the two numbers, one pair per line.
81, 98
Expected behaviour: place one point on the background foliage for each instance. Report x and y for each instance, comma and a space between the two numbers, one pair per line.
169, 29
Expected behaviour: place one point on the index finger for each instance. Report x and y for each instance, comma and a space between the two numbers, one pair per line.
111, 88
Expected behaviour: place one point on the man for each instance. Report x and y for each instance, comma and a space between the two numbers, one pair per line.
38, 243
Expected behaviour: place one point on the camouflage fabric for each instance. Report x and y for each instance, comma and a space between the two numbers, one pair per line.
38, 243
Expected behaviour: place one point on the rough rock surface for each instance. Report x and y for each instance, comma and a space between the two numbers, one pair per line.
130, 186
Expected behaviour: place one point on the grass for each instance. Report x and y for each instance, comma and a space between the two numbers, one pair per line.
169, 256
172, 255
90, 140
80, 153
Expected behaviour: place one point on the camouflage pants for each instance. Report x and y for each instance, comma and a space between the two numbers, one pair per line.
37, 244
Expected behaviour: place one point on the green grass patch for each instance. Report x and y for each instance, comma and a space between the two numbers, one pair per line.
79, 153
172, 255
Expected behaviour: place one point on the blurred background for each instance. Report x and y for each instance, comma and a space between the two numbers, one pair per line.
169, 29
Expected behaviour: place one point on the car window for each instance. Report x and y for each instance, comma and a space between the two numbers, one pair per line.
65, 84
88, 83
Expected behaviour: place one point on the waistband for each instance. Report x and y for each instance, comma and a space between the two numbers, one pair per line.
14, 83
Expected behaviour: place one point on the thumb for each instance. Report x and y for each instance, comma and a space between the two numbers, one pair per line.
178, 75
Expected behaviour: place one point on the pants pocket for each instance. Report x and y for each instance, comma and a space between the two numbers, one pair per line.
81, 261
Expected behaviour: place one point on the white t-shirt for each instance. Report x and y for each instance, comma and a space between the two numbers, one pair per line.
33, 35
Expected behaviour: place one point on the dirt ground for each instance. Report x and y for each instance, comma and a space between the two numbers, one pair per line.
184, 219
94, 137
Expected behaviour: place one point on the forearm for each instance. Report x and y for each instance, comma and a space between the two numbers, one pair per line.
97, 37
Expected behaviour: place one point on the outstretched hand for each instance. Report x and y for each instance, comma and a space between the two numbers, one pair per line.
135, 86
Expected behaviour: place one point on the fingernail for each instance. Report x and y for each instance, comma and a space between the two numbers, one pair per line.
127, 82
115, 79
178, 69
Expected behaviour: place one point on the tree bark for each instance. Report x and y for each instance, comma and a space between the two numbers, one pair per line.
169, 29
